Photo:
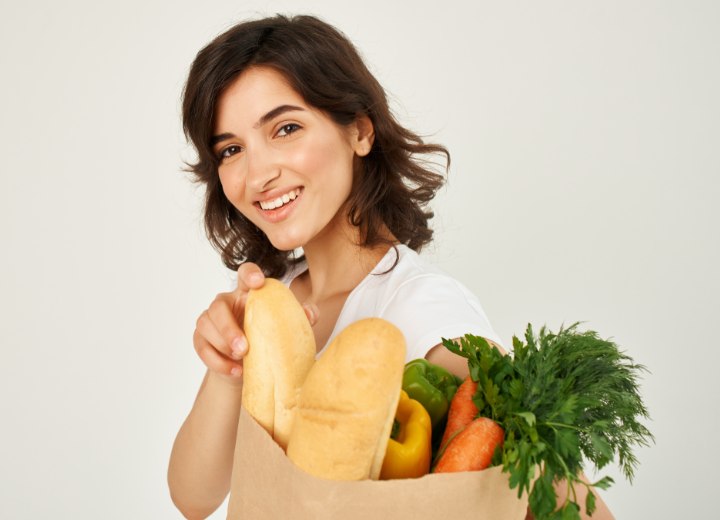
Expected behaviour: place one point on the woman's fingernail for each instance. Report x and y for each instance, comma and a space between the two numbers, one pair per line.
239, 347
236, 371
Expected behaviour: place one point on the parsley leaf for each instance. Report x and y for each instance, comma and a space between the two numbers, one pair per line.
562, 398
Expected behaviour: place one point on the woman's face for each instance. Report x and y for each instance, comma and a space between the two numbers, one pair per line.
285, 165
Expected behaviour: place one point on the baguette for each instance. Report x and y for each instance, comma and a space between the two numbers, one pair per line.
348, 403
281, 350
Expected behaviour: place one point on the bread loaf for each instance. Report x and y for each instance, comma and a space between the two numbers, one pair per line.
348, 403
281, 350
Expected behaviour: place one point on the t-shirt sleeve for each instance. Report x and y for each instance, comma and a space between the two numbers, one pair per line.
431, 307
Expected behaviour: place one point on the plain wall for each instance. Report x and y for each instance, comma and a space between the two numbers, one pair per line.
583, 187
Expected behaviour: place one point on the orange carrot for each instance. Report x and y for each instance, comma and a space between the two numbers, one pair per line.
462, 410
472, 449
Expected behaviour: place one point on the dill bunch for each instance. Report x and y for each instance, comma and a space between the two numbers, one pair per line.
562, 398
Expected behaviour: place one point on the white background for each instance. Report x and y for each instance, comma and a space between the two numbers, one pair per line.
585, 140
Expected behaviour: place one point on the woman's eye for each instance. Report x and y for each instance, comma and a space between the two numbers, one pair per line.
288, 129
229, 151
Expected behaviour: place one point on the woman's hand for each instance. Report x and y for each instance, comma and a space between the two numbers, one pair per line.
219, 339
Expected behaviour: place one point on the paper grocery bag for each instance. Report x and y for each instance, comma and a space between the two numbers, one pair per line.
266, 485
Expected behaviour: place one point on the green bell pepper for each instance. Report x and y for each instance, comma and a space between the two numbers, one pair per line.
431, 385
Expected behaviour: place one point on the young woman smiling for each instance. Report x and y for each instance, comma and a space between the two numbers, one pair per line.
309, 179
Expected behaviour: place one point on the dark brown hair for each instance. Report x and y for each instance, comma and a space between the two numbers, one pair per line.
392, 184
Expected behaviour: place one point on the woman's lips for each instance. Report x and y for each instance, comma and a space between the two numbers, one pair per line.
279, 200
278, 214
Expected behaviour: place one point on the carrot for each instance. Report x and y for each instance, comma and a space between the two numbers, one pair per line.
462, 410
472, 449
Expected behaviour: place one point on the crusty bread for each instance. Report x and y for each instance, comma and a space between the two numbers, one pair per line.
281, 350
348, 403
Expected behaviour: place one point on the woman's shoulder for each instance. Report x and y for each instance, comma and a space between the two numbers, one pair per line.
407, 271
428, 304
408, 285
422, 300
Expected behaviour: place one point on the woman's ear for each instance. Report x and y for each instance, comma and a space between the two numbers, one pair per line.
363, 136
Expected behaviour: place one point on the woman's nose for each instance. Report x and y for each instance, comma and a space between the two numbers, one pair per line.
263, 169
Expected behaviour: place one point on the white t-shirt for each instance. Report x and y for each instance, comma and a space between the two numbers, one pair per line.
425, 303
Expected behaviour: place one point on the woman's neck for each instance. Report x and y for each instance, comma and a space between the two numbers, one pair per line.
337, 263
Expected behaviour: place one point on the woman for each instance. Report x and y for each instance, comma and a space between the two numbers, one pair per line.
309, 179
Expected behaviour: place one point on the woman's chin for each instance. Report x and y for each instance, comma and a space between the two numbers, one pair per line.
286, 243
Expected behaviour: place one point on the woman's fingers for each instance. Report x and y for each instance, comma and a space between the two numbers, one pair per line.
213, 359
250, 276
312, 312
219, 339
223, 329
206, 328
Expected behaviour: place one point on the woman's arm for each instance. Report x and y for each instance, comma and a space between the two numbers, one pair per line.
202, 456
201, 460
439, 355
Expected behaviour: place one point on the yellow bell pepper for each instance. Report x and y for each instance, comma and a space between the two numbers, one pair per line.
409, 455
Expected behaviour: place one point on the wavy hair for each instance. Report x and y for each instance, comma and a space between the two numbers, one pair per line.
392, 185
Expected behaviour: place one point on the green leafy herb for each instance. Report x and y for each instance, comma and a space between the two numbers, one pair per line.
561, 398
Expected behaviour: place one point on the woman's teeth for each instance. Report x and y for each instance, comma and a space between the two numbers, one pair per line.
280, 201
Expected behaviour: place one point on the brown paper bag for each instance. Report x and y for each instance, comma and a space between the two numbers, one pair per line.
266, 485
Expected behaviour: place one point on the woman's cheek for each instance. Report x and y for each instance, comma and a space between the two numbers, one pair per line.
233, 189
306, 159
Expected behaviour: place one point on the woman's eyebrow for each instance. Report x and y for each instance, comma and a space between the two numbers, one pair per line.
275, 112
219, 138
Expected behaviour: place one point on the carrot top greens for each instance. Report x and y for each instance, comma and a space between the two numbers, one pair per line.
560, 398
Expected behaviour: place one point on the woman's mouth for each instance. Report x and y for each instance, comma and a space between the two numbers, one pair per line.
279, 208
279, 201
